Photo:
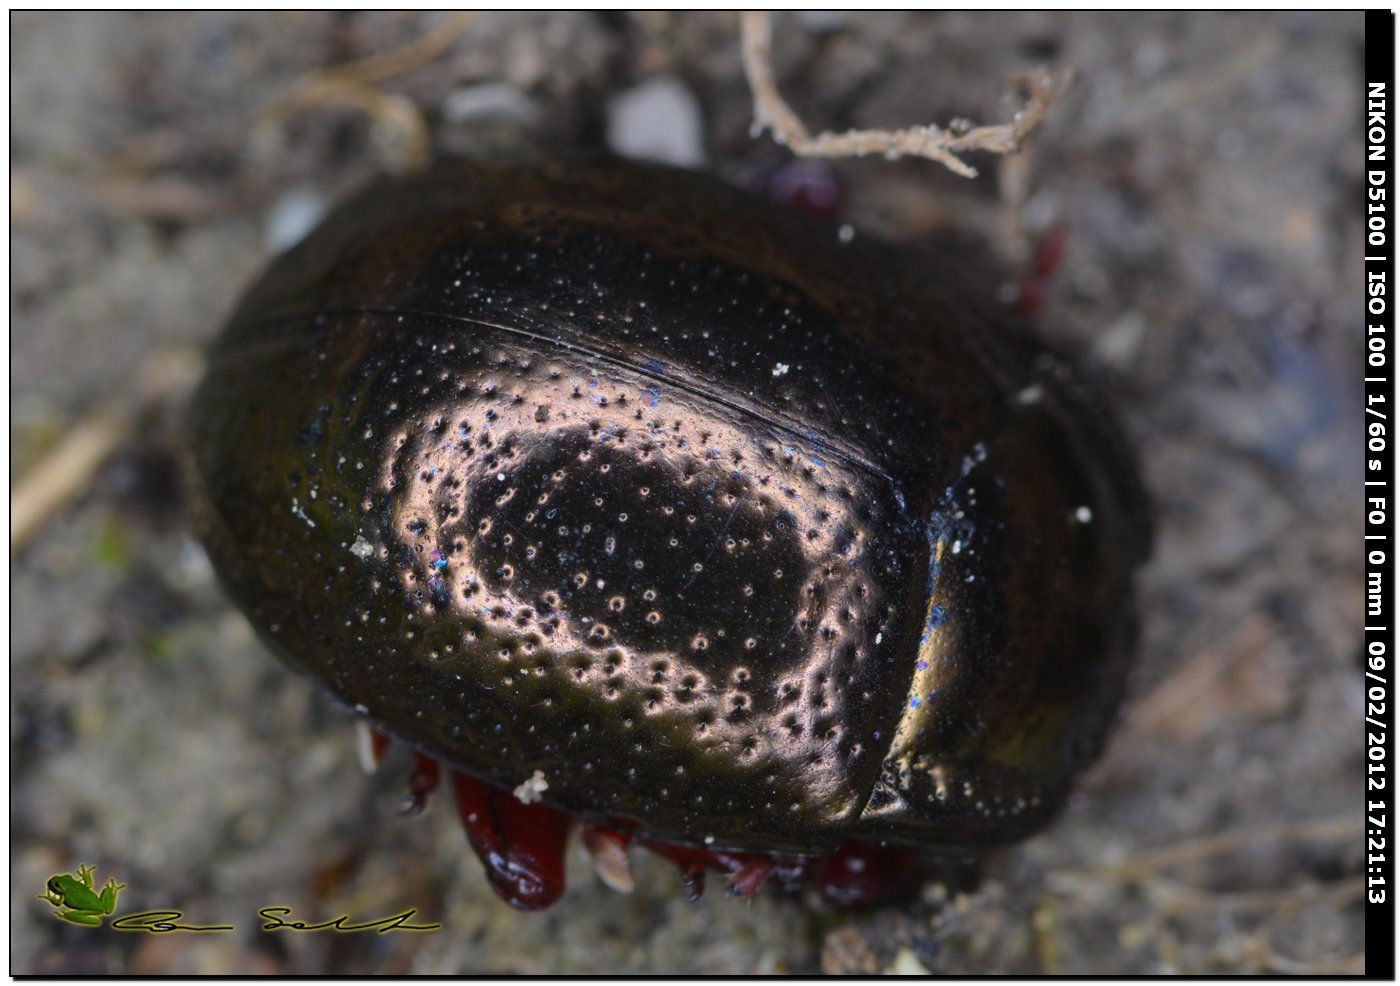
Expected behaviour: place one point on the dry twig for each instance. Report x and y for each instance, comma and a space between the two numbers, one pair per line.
1273, 908
1335, 829
1179, 900
1183, 705
353, 85
65, 472
1199, 693
1268, 910
1043, 87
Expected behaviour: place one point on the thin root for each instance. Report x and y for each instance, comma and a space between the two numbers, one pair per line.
1043, 86
67, 471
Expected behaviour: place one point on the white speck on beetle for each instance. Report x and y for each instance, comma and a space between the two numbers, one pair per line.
1083, 515
846, 233
1030, 395
879, 637
532, 790
361, 549
299, 512
780, 369
500, 477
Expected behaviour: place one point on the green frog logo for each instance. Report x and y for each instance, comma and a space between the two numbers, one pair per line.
76, 899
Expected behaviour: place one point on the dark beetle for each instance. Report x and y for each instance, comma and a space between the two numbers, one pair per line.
613, 485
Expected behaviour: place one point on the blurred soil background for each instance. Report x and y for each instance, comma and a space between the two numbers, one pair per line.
1204, 178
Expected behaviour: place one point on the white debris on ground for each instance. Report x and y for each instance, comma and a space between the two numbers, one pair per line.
293, 215
490, 101
658, 120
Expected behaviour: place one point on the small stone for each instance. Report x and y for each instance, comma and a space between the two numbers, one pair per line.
906, 963
294, 215
658, 120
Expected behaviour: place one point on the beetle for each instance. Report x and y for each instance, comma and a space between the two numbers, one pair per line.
630, 497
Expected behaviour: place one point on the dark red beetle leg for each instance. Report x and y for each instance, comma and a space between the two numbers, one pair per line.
421, 784
862, 874
521, 846
691, 863
379, 743
748, 879
693, 876
792, 873
1048, 256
